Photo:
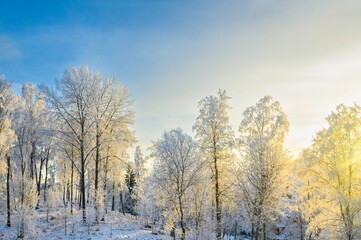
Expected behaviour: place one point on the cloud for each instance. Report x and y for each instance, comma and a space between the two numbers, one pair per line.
8, 49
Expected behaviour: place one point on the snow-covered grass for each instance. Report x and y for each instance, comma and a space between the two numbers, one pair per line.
61, 226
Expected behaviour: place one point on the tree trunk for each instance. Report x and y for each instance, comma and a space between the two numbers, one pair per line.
182, 218
106, 182
264, 231
235, 229
252, 231
256, 234
8, 222
32, 159
67, 192
121, 202
46, 175
23, 165
76, 195
198, 224
71, 184
182, 224
113, 198
79, 193
22, 223
82, 176
172, 232
218, 200
97, 160
38, 178
64, 187
301, 228
64, 195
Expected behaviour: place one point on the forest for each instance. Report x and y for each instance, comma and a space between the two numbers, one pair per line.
69, 154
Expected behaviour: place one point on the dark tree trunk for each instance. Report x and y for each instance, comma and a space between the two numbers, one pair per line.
22, 197
105, 187
38, 178
64, 195
113, 198
67, 192
97, 161
252, 231
235, 229
256, 235
8, 222
172, 232
79, 193
182, 224
264, 231
71, 184
23, 166
82, 177
46, 175
32, 159
121, 202
301, 228
218, 200
76, 195
64, 187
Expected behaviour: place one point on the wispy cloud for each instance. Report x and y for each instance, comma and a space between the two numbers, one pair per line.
8, 49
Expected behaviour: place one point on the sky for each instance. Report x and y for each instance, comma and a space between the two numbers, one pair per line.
171, 54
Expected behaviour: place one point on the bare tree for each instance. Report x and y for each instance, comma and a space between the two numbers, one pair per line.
262, 131
215, 138
74, 107
112, 116
7, 137
176, 169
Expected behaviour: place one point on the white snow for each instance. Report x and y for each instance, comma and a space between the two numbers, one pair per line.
116, 226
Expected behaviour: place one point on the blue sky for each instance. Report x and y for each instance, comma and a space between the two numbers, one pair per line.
170, 54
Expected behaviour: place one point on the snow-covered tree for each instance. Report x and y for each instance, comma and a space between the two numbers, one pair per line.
200, 207
30, 152
7, 99
215, 137
334, 180
140, 174
112, 119
262, 135
7, 137
130, 182
69, 176
73, 107
175, 171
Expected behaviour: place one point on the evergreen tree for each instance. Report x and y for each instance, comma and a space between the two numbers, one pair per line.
130, 182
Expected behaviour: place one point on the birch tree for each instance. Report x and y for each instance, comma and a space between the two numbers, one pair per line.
140, 173
72, 103
176, 170
262, 135
334, 166
113, 118
7, 137
215, 138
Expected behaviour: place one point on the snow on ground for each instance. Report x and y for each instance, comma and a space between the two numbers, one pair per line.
116, 226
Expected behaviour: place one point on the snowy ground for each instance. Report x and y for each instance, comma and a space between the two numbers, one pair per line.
116, 226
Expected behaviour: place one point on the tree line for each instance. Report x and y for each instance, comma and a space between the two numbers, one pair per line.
68, 146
